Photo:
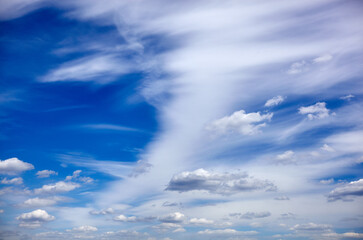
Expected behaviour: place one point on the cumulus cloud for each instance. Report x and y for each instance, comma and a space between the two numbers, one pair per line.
220, 183
351, 189
240, 122
298, 67
274, 101
42, 202
34, 219
84, 228
316, 111
46, 173
327, 148
311, 227
327, 181
102, 211
251, 215
200, 221
176, 217
15, 181
227, 231
166, 226
346, 235
76, 177
287, 157
14, 166
123, 218
59, 187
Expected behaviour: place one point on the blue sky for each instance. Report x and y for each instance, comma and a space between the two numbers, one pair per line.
181, 120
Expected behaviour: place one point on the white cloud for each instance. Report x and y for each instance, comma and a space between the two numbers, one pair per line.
287, 157
327, 148
345, 235
282, 198
311, 227
1, 210
15, 181
251, 215
323, 58
76, 177
227, 231
42, 202
123, 218
274, 101
241, 122
102, 212
351, 189
34, 219
84, 228
347, 97
163, 227
100, 68
200, 221
14, 166
220, 183
176, 217
316, 111
298, 67
46, 173
327, 181
58, 187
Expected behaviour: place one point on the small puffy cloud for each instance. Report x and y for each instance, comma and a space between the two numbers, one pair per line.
102, 212
354, 188
347, 97
287, 157
282, 198
1, 210
58, 187
42, 202
323, 58
167, 227
220, 183
34, 219
14, 181
227, 231
14, 166
298, 67
347, 235
85, 228
123, 218
251, 215
76, 177
316, 111
311, 227
45, 173
200, 221
241, 122
176, 217
124, 234
327, 181
327, 148
274, 101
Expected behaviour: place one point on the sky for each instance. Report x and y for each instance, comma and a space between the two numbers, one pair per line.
172, 120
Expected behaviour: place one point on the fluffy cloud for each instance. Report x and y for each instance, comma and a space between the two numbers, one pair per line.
251, 215
354, 188
347, 235
316, 111
102, 212
123, 218
85, 228
274, 101
168, 227
298, 67
15, 181
327, 148
58, 187
287, 157
241, 122
220, 183
200, 221
76, 176
311, 227
227, 231
347, 97
176, 217
41, 202
13, 166
45, 173
34, 219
